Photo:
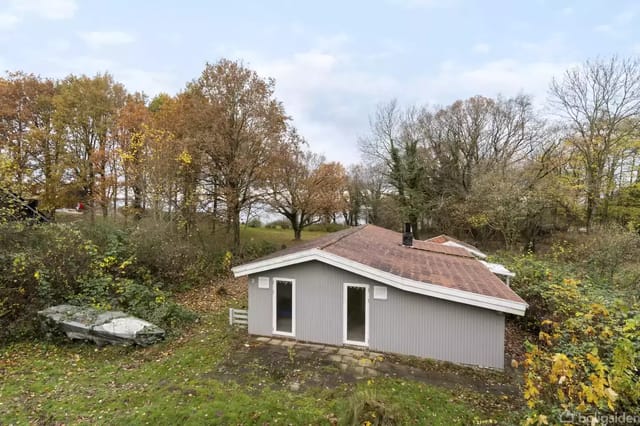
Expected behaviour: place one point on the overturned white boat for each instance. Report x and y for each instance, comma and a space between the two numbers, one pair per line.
101, 327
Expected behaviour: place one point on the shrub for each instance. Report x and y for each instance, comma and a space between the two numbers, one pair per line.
607, 253
254, 223
39, 265
254, 249
588, 347
145, 301
587, 363
49, 264
326, 227
365, 407
279, 224
176, 260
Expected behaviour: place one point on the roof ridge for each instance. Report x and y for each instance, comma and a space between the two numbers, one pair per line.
346, 234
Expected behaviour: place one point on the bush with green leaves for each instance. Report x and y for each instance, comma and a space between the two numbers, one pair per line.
279, 224
179, 261
254, 249
586, 355
326, 227
47, 264
254, 223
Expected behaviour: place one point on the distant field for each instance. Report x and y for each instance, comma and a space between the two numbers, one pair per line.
277, 236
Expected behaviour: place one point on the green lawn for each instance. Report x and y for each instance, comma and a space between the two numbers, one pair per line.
277, 236
180, 382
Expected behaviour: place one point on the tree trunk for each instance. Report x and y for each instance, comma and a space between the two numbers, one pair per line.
137, 202
215, 208
236, 230
591, 209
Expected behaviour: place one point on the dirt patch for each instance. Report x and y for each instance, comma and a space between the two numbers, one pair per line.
262, 364
298, 367
216, 296
451, 376
514, 338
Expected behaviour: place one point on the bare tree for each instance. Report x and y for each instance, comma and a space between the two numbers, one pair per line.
601, 101
302, 186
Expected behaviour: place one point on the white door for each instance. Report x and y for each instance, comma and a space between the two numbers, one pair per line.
355, 318
284, 306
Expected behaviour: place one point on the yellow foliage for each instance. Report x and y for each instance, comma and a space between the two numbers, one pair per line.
599, 309
544, 337
185, 158
561, 366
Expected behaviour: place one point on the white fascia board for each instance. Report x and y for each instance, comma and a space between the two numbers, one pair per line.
476, 253
498, 269
274, 263
418, 287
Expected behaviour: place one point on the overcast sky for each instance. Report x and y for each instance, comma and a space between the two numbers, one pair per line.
333, 61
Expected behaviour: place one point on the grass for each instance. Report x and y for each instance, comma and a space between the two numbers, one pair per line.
278, 237
181, 382
171, 383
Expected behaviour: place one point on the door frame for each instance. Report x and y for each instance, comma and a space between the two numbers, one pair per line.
366, 314
275, 307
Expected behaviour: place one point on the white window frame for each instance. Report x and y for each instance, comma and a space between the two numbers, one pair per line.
275, 307
366, 315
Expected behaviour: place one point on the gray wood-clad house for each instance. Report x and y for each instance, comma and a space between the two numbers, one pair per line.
369, 287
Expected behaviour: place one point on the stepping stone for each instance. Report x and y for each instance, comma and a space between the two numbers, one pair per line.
288, 343
263, 339
371, 372
335, 358
313, 346
351, 359
365, 362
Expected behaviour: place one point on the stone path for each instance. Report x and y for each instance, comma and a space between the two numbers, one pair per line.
360, 362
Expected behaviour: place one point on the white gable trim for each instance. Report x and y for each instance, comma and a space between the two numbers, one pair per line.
427, 289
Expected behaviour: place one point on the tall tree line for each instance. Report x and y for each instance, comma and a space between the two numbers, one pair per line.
210, 152
486, 167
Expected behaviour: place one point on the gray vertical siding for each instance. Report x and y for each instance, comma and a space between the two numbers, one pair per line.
405, 323
259, 312
423, 326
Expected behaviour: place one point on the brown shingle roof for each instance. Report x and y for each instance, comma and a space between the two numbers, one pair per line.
427, 262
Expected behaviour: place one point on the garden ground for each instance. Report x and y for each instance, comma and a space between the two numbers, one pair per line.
217, 375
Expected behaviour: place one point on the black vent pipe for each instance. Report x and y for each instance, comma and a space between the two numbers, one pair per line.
407, 236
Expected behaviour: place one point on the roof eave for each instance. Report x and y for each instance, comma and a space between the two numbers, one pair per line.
418, 287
